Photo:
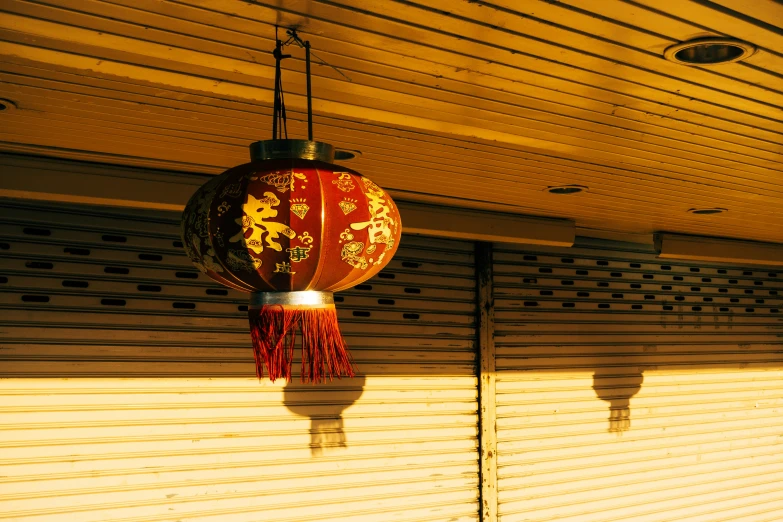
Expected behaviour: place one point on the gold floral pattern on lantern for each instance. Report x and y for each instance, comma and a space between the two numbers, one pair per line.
344, 182
233, 190
241, 260
351, 254
282, 180
306, 238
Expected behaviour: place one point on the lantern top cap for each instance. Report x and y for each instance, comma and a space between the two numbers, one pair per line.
291, 149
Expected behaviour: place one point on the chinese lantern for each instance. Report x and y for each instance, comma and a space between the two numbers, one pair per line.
291, 228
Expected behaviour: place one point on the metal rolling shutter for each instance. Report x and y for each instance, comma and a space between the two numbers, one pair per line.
635, 389
129, 391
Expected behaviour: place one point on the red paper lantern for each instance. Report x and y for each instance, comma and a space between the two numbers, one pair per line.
291, 228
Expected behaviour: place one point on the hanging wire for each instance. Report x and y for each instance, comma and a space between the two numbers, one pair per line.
279, 122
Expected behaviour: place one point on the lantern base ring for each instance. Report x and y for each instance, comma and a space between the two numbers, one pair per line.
307, 298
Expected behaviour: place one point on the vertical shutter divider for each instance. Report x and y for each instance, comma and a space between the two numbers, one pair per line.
487, 415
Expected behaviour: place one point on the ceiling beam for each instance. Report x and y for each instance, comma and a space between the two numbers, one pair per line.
47, 179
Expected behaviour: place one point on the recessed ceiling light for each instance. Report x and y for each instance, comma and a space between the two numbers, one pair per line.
6, 105
707, 211
567, 189
709, 51
344, 155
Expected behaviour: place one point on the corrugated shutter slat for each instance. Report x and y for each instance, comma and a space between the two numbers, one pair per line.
128, 390
631, 388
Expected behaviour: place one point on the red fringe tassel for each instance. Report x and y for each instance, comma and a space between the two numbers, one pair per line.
324, 352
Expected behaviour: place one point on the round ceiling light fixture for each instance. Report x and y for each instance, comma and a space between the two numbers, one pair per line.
709, 51
345, 155
563, 190
6, 105
707, 211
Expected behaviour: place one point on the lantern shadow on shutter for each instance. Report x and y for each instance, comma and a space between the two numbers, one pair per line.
324, 405
617, 388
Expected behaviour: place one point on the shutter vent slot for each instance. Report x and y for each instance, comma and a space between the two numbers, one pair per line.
32, 231
116, 270
39, 265
77, 251
35, 298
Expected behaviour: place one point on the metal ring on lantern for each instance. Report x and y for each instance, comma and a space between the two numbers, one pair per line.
309, 298
291, 149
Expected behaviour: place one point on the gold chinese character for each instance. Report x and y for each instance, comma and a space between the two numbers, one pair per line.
283, 268
298, 253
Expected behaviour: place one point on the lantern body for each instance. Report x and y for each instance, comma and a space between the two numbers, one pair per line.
290, 225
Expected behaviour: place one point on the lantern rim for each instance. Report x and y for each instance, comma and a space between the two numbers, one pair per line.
307, 298
291, 149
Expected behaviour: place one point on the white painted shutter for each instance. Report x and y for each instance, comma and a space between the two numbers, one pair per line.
635, 389
128, 390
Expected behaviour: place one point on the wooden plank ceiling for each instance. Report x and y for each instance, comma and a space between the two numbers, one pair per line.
483, 104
